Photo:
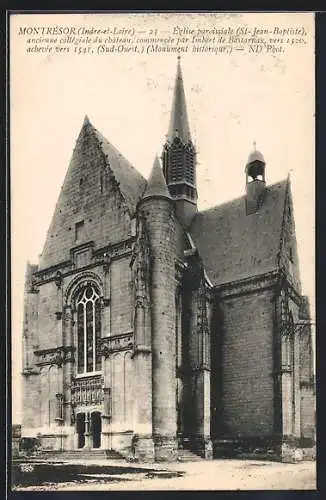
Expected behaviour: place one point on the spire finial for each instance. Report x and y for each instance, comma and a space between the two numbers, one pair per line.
254, 145
179, 126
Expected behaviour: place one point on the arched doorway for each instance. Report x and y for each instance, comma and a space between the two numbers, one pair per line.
81, 429
96, 426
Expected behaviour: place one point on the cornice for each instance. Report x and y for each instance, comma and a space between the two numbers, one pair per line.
274, 279
248, 285
55, 356
97, 257
116, 343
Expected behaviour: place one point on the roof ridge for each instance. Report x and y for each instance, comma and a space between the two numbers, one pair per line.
234, 246
238, 198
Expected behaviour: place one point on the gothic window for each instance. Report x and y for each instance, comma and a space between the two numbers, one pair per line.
88, 331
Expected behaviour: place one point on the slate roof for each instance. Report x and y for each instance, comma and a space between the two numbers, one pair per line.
131, 183
235, 246
156, 184
179, 125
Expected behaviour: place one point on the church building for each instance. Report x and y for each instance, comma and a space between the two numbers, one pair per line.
151, 327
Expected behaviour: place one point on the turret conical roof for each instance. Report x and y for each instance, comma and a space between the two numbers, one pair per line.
156, 185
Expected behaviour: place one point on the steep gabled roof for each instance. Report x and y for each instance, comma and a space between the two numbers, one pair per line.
131, 183
234, 245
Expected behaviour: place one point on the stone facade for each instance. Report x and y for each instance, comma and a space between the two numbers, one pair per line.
143, 335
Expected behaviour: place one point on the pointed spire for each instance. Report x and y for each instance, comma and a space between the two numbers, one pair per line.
156, 185
86, 121
179, 126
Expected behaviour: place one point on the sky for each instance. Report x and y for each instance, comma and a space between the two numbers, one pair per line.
233, 99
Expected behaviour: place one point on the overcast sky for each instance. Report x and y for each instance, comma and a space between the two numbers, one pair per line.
232, 100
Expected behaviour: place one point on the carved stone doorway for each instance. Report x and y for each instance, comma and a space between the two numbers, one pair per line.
81, 429
96, 426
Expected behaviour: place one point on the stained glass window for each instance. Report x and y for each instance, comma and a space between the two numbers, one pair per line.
88, 331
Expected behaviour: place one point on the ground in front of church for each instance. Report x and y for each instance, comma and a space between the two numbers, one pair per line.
203, 475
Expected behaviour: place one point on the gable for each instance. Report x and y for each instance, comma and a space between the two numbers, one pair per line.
131, 183
289, 260
97, 199
236, 246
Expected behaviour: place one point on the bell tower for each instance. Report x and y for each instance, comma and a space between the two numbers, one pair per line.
179, 156
255, 181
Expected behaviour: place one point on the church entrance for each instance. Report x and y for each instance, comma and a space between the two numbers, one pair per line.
81, 429
96, 427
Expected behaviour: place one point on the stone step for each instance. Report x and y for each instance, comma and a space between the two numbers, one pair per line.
185, 455
237, 448
80, 455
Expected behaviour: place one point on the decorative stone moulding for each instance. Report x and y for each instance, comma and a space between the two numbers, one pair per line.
56, 356
95, 257
58, 279
107, 254
87, 390
116, 343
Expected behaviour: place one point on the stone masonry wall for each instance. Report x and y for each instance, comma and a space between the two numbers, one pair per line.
159, 219
48, 325
30, 403
121, 295
291, 378
307, 390
248, 365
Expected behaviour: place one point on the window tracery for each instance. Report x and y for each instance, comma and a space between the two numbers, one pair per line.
88, 330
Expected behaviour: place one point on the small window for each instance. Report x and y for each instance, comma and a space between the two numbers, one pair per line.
291, 254
79, 229
133, 228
